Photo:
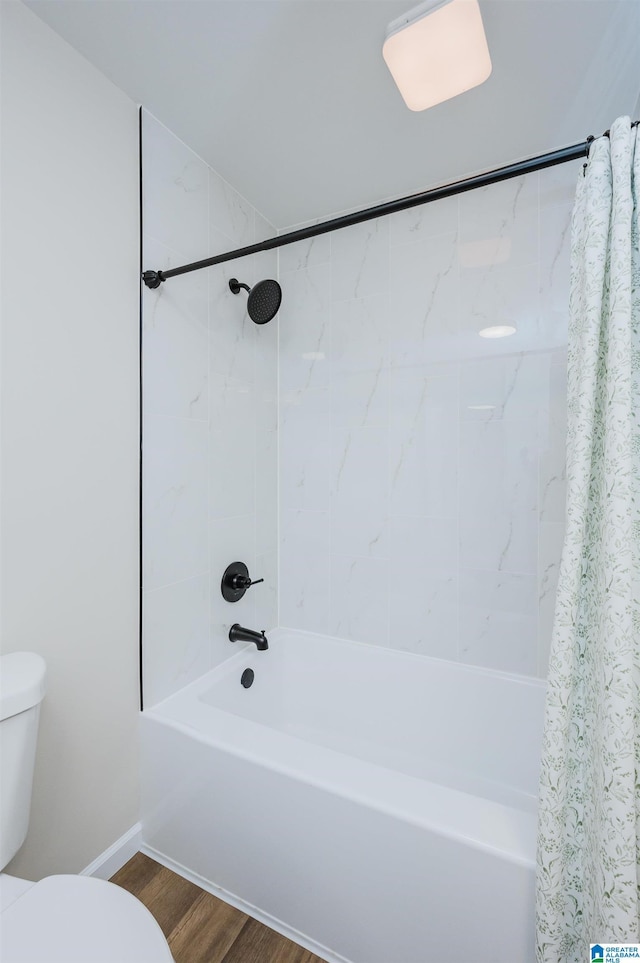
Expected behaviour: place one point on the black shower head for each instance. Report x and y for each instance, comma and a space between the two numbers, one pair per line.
264, 299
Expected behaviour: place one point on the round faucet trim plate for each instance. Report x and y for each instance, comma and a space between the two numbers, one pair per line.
235, 581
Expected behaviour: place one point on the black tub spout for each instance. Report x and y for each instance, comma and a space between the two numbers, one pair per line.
237, 633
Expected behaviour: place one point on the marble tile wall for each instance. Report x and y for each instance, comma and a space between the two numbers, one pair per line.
422, 476
421, 467
209, 420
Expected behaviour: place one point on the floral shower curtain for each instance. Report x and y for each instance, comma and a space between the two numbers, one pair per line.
589, 814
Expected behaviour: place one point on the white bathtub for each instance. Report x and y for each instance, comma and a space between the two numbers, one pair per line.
376, 806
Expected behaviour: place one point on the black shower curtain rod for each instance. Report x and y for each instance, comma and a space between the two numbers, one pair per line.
153, 279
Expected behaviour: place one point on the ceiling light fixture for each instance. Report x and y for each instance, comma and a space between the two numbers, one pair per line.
436, 51
497, 331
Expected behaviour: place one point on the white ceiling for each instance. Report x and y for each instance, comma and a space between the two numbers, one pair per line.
291, 101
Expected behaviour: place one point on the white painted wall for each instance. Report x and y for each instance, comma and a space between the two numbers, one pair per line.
70, 433
210, 419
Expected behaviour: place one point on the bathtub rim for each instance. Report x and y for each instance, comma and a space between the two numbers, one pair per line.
484, 824
283, 632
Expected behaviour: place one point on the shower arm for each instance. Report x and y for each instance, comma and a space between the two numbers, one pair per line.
235, 285
153, 279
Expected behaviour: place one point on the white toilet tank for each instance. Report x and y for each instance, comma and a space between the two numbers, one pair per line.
21, 692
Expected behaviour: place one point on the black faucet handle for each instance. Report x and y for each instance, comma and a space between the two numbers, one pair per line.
235, 581
243, 581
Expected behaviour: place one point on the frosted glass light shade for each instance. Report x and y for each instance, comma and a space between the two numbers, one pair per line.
436, 51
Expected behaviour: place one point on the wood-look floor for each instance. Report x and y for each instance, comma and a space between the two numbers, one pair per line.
201, 928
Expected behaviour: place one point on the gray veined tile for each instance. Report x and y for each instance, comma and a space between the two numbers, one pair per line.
558, 185
305, 570
266, 492
497, 541
176, 632
424, 302
419, 223
425, 620
499, 224
266, 596
499, 467
232, 473
555, 245
359, 598
359, 532
175, 191
305, 450
501, 296
423, 467
229, 212
507, 388
175, 500
425, 543
304, 324
359, 363
175, 341
359, 470
360, 260
262, 230
498, 620
304, 254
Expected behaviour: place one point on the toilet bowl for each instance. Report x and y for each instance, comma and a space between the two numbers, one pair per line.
61, 919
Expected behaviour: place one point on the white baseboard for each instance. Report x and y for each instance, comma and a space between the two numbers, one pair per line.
275, 924
113, 858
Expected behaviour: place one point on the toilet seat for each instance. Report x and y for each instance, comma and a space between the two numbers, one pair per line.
79, 919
